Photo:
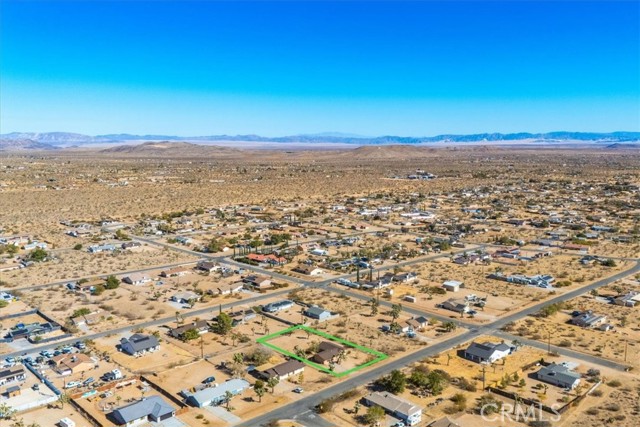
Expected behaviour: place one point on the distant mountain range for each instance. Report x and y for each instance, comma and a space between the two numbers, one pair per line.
66, 139
23, 144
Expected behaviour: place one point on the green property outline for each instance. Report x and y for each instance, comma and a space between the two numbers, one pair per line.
265, 341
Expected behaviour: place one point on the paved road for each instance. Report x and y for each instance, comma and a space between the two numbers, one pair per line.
563, 351
303, 408
165, 320
117, 273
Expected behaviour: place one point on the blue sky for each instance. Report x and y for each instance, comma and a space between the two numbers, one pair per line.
280, 68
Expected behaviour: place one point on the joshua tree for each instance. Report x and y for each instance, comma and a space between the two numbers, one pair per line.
259, 389
227, 398
273, 382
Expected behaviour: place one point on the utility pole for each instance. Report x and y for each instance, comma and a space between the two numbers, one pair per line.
484, 371
548, 342
626, 343
201, 348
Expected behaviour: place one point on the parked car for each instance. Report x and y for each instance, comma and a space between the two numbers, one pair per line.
88, 381
72, 384
298, 390
208, 380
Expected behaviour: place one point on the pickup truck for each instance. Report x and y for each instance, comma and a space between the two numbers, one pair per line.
72, 384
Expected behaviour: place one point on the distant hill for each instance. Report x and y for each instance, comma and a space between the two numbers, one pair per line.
619, 146
24, 144
67, 139
171, 149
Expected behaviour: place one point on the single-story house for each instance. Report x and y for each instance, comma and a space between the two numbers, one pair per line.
269, 259
309, 270
129, 245
230, 288
139, 344
184, 297
136, 279
405, 277
398, 407
67, 364
89, 319
284, 370
487, 352
319, 252
208, 266
452, 285
417, 323
94, 249
257, 281
152, 408
242, 316
318, 313
212, 396
457, 305
326, 352
274, 307
559, 375
14, 373
630, 299
588, 319
201, 326
32, 329
175, 272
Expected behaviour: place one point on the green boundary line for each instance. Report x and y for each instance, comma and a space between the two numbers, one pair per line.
265, 341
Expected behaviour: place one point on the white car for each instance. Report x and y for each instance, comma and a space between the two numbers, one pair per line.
72, 384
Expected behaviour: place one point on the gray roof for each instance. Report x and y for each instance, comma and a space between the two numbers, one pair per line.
392, 403
140, 342
315, 311
283, 369
152, 405
214, 394
559, 373
485, 350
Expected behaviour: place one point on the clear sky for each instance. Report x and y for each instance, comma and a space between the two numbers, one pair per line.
280, 68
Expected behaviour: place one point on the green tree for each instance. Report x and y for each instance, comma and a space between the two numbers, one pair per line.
81, 312
374, 306
190, 334
273, 382
3, 303
78, 246
38, 255
394, 383
112, 282
6, 411
227, 398
449, 326
374, 415
436, 382
259, 389
396, 309
224, 324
